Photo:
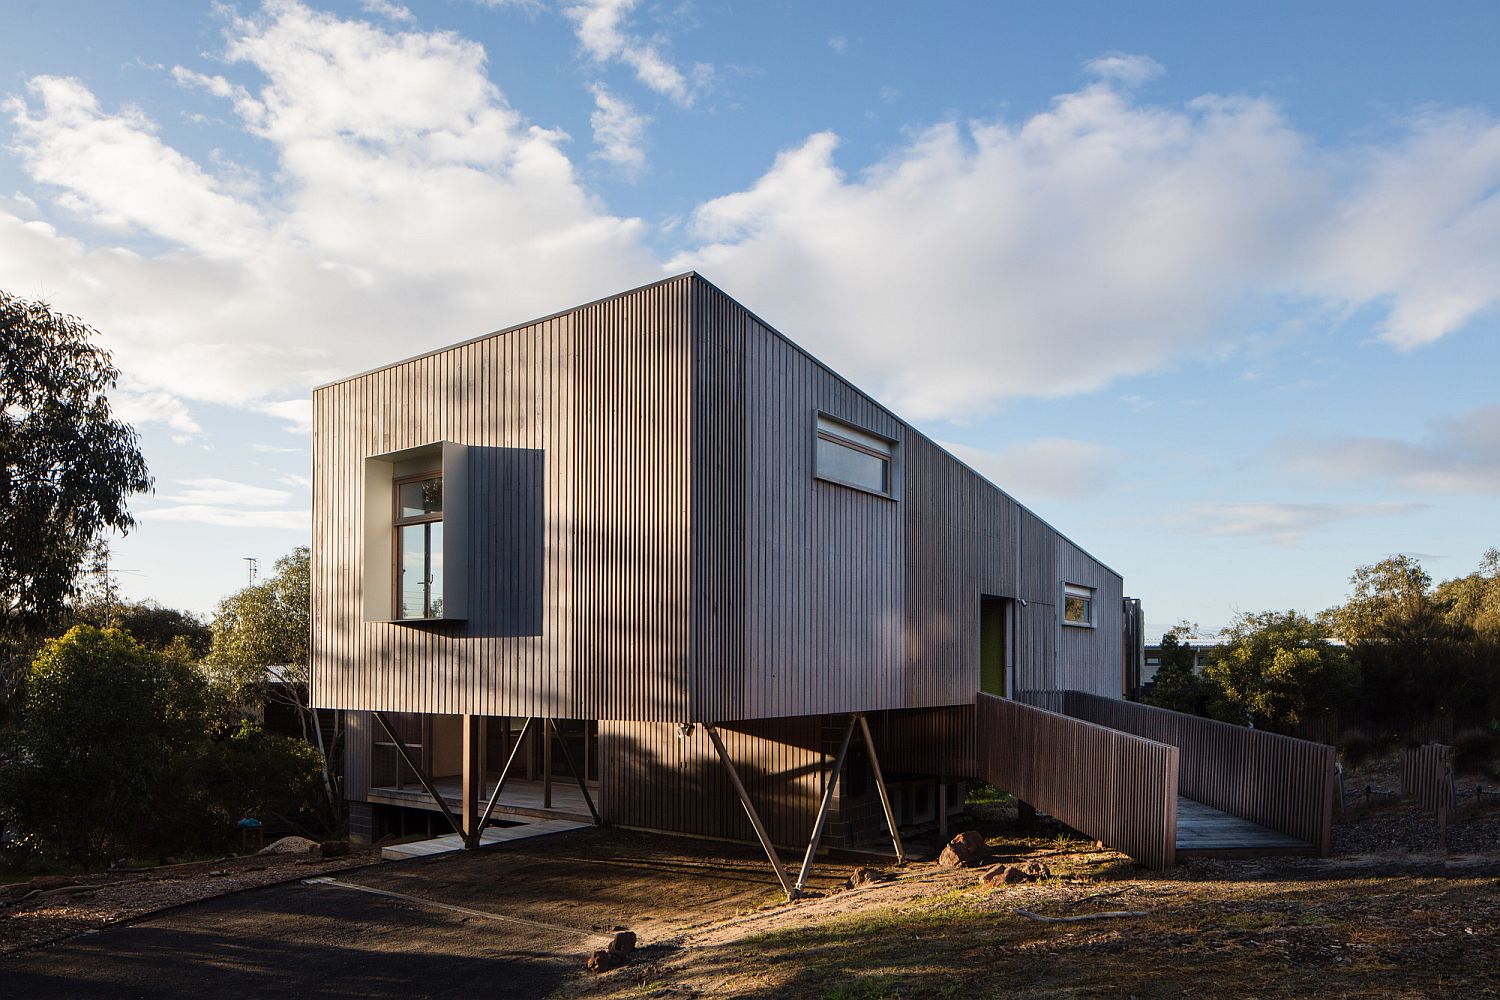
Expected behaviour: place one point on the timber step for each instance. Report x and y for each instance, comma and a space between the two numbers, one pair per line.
492, 835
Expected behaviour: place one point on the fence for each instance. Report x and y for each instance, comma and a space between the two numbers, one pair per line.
1427, 776
1279, 782
1111, 785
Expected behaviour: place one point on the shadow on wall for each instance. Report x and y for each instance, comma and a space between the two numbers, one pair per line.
659, 780
509, 534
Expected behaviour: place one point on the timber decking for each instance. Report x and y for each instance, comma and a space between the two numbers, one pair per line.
492, 835
521, 798
1204, 830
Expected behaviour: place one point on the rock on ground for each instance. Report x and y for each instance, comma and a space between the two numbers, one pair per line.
289, 845
965, 850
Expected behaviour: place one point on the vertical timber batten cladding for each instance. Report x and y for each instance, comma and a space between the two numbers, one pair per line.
651, 541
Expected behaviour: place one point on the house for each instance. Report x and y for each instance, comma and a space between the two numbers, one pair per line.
1202, 650
647, 562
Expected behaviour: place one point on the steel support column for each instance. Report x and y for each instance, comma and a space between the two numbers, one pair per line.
833, 784
885, 797
760, 829
401, 749
568, 759
515, 751
473, 776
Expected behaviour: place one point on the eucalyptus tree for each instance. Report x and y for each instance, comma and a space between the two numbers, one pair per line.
67, 467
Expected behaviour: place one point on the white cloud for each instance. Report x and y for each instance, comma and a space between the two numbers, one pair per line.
1125, 68
301, 482
1101, 238
600, 25
1458, 455
1286, 523
386, 9
414, 207
838, 43
113, 171
226, 503
230, 517
619, 132
154, 406
1052, 468
227, 493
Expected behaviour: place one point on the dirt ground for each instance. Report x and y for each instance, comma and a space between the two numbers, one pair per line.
517, 920
1375, 924
1388, 916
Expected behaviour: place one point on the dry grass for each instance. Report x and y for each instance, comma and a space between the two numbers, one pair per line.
1314, 928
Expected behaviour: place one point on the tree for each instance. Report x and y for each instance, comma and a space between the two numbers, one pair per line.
105, 726
1418, 649
158, 628
1393, 587
259, 648
1474, 600
67, 466
1177, 686
1277, 669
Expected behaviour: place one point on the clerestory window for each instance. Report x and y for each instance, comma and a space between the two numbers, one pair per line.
853, 457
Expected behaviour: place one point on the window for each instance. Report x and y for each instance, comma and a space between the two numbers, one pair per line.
1078, 605
853, 457
419, 546
414, 563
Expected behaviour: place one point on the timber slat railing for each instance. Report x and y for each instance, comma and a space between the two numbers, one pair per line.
1280, 782
1427, 776
1113, 786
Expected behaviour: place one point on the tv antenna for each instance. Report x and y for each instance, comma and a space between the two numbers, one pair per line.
253, 565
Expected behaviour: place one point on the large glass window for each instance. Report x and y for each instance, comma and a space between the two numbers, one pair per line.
853, 457
419, 547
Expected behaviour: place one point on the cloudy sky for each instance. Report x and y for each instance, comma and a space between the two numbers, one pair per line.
1211, 287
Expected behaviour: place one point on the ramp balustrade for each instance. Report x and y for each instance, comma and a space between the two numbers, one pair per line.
1111, 785
1279, 782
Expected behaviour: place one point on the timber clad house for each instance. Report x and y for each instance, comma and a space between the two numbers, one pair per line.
646, 562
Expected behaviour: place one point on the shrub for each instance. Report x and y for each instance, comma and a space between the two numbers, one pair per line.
1474, 748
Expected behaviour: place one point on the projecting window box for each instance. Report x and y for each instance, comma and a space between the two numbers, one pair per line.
416, 535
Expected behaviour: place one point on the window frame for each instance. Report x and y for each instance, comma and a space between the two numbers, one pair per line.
826, 428
397, 523
1081, 592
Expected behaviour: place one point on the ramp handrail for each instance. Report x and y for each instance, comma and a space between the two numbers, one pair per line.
1280, 782
1110, 785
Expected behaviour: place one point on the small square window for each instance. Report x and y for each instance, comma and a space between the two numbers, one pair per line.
1078, 605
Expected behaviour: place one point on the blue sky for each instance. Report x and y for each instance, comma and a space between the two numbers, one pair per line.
1212, 287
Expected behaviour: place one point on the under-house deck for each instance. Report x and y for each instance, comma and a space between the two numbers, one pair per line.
521, 798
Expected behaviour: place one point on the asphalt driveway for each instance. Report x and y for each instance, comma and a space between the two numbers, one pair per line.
516, 920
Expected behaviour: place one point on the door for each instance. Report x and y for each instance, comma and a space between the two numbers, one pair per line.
994, 645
